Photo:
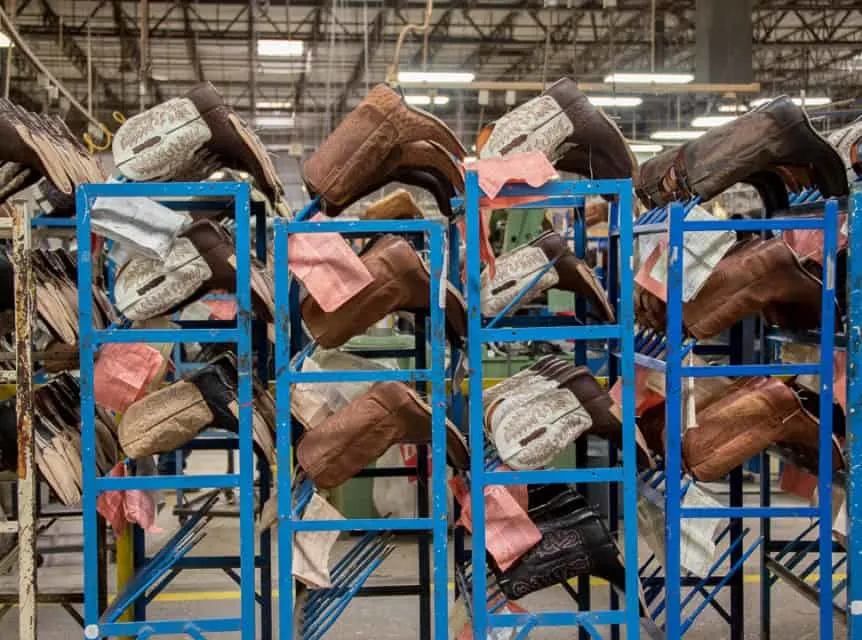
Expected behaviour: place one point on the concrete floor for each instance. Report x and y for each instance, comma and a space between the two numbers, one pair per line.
213, 594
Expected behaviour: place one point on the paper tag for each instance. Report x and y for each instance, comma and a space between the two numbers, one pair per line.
702, 251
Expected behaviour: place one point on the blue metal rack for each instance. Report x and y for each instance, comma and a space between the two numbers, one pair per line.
239, 334
289, 341
672, 219
621, 336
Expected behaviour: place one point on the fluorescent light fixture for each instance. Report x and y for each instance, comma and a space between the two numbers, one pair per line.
275, 122
650, 78
810, 101
732, 108
5, 42
424, 101
705, 122
677, 134
280, 48
274, 104
435, 76
615, 101
645, 147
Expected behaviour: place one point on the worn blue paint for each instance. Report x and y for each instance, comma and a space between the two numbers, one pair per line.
325, 607
854, 425
90, 339
562, 194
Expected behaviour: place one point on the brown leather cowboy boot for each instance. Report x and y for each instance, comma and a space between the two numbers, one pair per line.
757, 275
349, 159
763, 411
359, 433
777, 133
402, 282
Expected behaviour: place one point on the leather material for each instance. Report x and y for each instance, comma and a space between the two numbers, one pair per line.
574, 545
777, 133
761, 412
164, 142
398, 205
359, 433
574, 274
564, 125
146, 288
401, 282
164, 420
757, 276
216, 246
350, 157
530, 429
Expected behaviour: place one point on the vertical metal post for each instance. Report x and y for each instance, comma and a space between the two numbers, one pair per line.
673, 420
766, 534
824, 481
854, 420
612, 279
422, 506
625, 318
579, 228
284, 449
87, 353
741, 352
252, 63
477, 436
24, 297
242, 215
261, 347
440, 525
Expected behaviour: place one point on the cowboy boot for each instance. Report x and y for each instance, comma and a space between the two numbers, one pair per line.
570, 131
762, 412
349, 159
358, 434
777, 133
756, 276
401, 282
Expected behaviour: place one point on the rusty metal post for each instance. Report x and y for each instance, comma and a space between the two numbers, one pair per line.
24, 296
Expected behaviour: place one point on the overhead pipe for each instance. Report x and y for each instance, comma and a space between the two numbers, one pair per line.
9, 29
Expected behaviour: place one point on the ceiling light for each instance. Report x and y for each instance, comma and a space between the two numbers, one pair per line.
435, 76
280, 48
274, 104
732, 108
424, 101
645, 147
706, 122
615, 101
5, 42
650, 78
677, 134
275, 122
810, 101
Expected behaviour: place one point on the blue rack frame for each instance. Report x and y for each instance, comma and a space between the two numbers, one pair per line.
286, 302
241, 335
558, 194
675, 371
854, 423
